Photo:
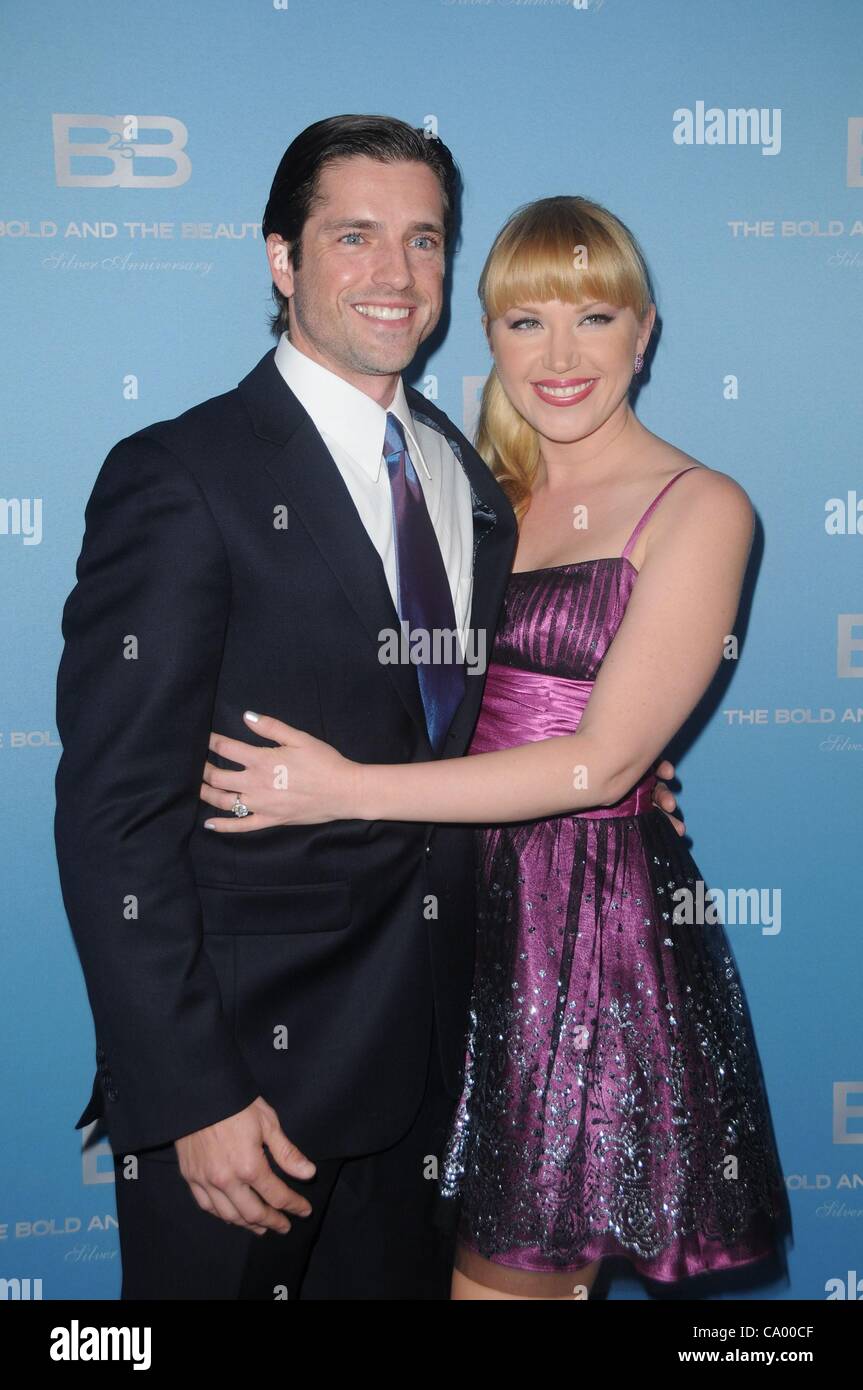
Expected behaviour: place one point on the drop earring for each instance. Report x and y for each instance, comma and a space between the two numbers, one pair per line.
639, 362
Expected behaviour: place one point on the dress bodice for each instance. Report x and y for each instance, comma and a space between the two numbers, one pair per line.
561, 621
556, 627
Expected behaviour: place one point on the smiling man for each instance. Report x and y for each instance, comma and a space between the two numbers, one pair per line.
365, 291
281, 1016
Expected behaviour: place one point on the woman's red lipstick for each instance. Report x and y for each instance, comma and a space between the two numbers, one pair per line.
576, 389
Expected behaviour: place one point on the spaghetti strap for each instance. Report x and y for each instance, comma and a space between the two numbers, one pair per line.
650, 510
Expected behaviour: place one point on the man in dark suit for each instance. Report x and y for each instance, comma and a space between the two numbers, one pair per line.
300, 993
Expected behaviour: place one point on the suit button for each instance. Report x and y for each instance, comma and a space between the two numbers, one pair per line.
428, 849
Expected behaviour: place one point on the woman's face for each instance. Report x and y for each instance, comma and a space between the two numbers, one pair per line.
567, 367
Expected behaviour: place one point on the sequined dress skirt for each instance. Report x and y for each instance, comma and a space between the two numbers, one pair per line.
613, 1102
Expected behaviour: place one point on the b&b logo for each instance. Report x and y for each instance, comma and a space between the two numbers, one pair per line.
123, 152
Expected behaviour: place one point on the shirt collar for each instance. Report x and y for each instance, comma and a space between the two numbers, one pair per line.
342, 411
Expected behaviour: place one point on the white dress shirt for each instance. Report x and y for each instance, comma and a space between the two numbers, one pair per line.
352, 426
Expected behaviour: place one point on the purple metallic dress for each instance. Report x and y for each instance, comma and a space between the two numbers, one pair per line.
613, 1102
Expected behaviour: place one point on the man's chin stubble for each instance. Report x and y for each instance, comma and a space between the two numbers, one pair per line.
390, 367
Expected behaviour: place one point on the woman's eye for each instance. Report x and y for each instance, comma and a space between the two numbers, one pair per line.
526, 322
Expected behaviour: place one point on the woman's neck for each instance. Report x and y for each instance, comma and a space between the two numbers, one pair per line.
600, 458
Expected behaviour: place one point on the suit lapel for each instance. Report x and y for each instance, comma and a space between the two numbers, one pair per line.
306, 473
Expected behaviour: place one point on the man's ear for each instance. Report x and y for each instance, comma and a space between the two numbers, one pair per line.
281, 269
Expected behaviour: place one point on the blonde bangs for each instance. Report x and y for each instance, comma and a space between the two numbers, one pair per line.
566, 249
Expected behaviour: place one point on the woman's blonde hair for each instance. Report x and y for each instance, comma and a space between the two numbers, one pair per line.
566, 248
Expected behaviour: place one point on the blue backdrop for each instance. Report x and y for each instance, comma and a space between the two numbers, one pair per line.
729, 137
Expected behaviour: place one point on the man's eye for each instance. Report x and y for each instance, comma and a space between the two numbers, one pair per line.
358, 235
431, 241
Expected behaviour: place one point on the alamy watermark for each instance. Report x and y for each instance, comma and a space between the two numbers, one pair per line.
420, 646
745, 906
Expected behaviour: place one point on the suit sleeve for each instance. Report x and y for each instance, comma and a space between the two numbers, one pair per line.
144, 629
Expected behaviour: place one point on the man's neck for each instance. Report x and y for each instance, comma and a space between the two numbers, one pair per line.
380, 388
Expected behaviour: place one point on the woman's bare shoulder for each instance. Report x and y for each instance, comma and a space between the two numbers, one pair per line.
701, 483
705, 504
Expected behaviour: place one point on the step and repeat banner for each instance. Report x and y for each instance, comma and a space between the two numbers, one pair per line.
139, 146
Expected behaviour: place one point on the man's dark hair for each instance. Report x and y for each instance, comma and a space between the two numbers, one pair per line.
295, 186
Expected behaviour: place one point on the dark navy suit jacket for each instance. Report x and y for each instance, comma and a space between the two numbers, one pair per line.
199, 950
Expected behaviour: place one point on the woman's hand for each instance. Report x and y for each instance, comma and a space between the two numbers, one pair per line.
302, 781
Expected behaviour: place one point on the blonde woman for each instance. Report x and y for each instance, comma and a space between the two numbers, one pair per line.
613, 1102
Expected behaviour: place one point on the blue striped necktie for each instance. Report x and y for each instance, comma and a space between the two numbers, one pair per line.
425, 599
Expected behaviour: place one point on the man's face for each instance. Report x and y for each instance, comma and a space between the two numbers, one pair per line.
370, 284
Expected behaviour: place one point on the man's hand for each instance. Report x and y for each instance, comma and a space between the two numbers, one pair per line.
665, 799
229, 1175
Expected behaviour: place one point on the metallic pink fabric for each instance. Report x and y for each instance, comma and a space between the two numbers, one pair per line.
527, 706
613, 1102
